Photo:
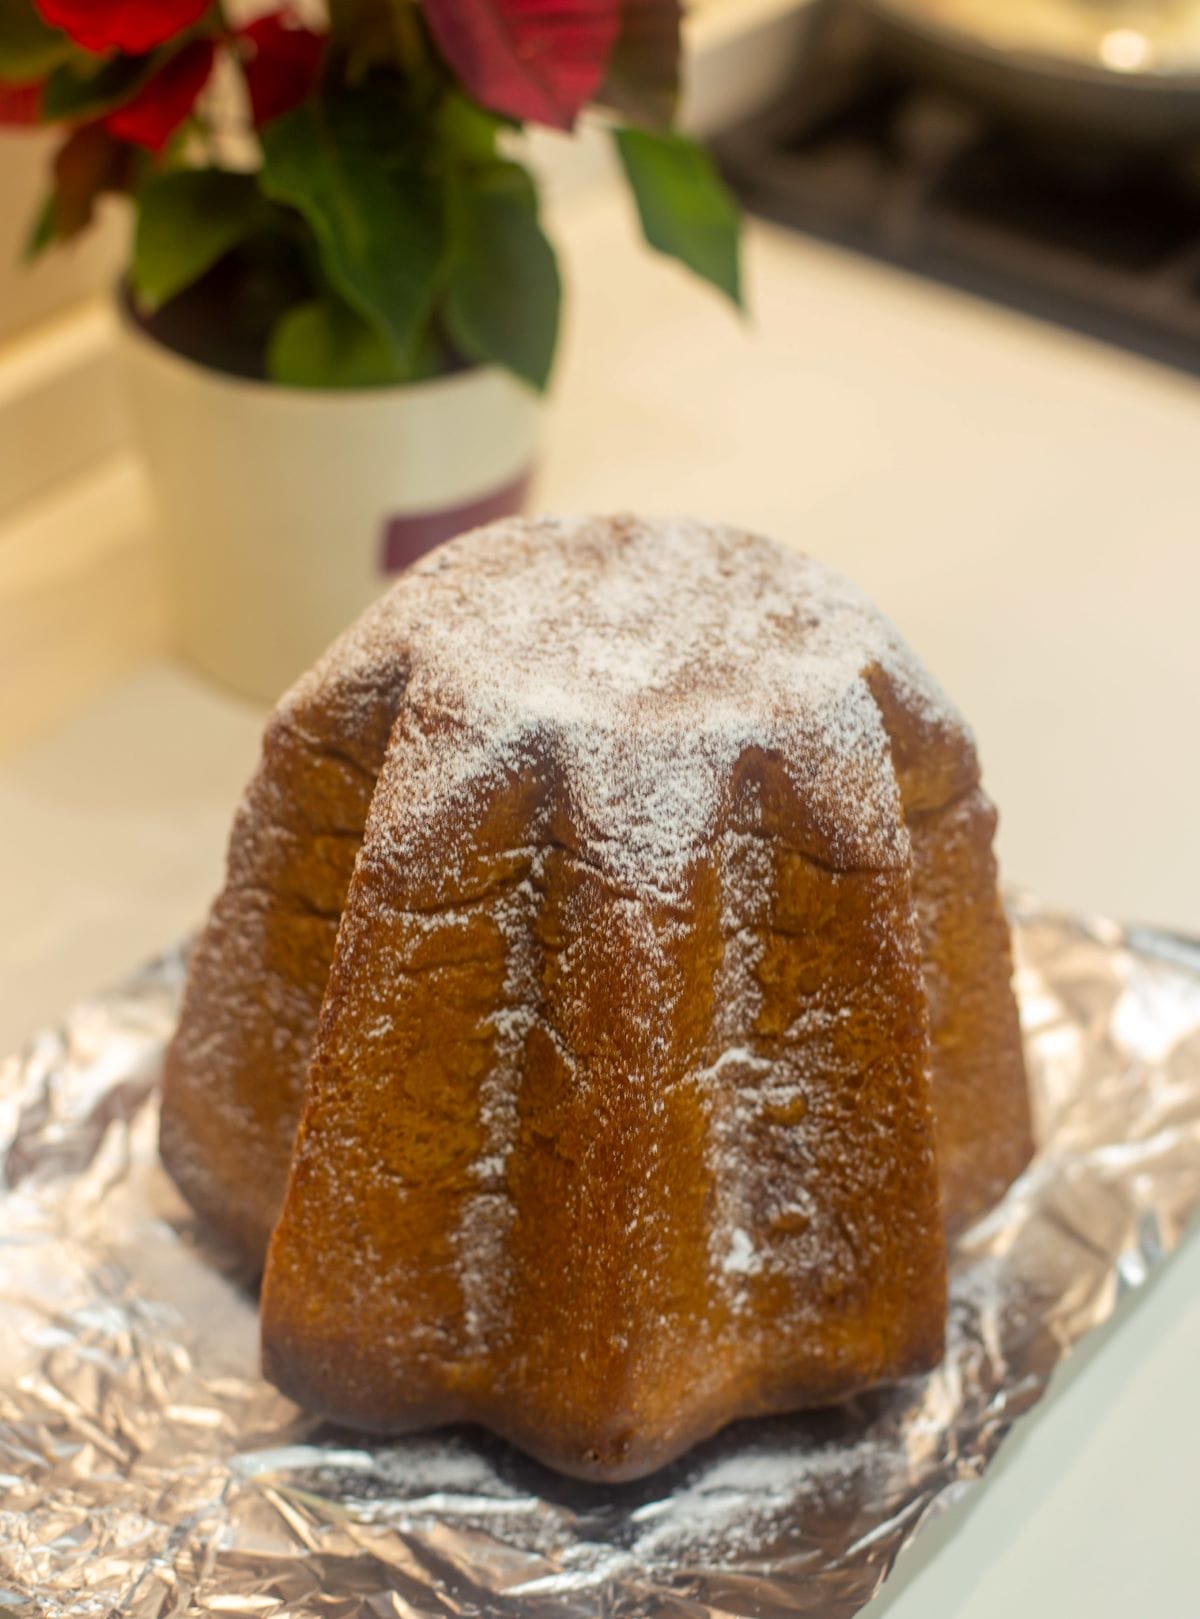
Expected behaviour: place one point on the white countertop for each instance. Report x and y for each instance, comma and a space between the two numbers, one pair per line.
1024, 504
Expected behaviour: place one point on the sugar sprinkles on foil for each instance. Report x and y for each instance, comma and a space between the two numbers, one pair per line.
146, 1469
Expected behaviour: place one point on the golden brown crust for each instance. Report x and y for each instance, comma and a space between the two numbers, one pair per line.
605, 1334
980, 1089
234, 1073
649, 1050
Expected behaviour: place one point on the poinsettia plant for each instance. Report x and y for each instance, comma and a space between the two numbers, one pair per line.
366, 219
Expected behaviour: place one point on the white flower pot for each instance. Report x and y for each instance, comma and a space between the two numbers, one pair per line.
285, 511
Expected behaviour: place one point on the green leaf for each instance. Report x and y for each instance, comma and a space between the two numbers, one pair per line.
371, 33
378, 221
43, 230
324, 344
468, 130
375, 20
29, 48
504, 295
685, 209
186, 221
74, 94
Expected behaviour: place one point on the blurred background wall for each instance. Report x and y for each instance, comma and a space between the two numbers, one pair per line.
29, 294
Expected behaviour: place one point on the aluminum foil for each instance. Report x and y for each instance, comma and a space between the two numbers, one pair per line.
145, 1468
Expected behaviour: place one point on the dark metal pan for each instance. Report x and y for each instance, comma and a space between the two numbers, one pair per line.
1123, 73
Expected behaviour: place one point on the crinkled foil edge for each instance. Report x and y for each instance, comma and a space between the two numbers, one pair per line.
146, 1469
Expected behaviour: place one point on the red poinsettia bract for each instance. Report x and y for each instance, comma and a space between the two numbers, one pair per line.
164, 101
282, 63
122, 25
20, 103
539, 60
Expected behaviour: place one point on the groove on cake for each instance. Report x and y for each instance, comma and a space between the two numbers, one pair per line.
981, 1106
234, 1074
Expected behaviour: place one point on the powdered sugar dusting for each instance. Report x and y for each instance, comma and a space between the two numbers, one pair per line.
644, 660
488, 1214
